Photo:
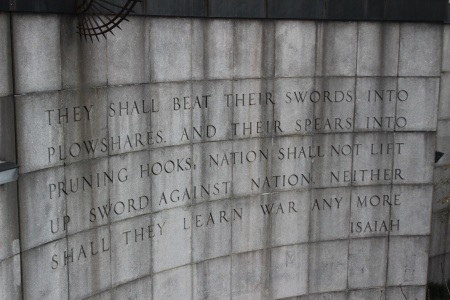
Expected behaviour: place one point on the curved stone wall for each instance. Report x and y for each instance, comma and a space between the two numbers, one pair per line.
224, 159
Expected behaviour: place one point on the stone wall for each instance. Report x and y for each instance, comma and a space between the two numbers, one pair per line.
10, 281
221, 159
439, 271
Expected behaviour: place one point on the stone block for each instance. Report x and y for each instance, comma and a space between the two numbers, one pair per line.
408, 261
367, 262
443, 141
334, 168
250, 275
170, 125
45, 271
130, 192
335, 49
211, 116
446, 49
289, 214
131, 248
420, 106
376, 99
212, 279
85, 187
417, 147
252, 167
127, 53
7, 129
85, 127
212, 53
378, 294
39, 138
378, 45
9, 221
253, 103
328, 266
212, 174
250, 230
371, 207
37, 53
373, 155
294, 94
420, 49
408, 292
211, 229
288, 271
129, 118
294, 52
334, 105
138, 290
414, 209
170, 172
253, 51
172, 248
170, 49
42, 211
83, 63
173, 284
89, 262
6, 77
444, 97
330, 214
10, 278
292, 159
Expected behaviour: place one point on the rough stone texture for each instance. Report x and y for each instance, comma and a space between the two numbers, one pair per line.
10, 280
250, 275
33, 150
444, 99
212, 52
294, 52
42, 277
420, 49
5, 56
336, 51
212, 279
128, 62
254, 49
9, 220
170, 49
173, 284
37, 53
41, 211
328, 266
367, 268
446, 49
288, 271
83, 63
408, 259
378, 45
420, 108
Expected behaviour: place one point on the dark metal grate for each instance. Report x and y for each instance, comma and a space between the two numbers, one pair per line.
98, 17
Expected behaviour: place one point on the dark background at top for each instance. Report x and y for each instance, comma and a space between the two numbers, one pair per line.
378, 10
